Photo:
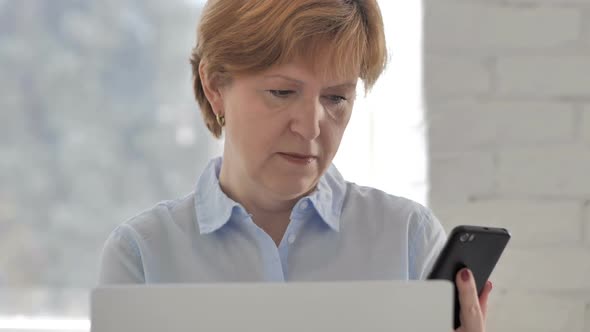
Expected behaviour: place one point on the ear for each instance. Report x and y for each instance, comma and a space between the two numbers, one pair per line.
212, 90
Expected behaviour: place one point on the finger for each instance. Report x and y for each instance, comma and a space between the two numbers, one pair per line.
471, 315
483, 299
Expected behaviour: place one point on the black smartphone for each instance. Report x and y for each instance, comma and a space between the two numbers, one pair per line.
475, 247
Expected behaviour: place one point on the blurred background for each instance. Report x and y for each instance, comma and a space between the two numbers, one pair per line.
483, 115
97, 123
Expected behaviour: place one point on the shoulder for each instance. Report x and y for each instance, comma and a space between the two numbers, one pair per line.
379, 210
134, 242
158, 220
406, 226
378, 203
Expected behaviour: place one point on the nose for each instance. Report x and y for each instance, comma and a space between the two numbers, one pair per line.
306, 119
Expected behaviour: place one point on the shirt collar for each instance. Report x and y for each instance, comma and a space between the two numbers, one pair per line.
214, 208
328, 197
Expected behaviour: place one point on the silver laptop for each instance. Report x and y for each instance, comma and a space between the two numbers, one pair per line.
416, 306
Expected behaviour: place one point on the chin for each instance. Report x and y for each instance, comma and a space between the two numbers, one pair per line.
293, 188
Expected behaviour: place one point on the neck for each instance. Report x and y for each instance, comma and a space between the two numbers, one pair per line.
269, 213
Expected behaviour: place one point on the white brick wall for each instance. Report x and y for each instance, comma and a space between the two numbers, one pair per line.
508, 110
489, 125
456, 177
564, 3
586, 124
545, 269
532, 223
471, 26
544, 76
546, 314
549, 171
452, 76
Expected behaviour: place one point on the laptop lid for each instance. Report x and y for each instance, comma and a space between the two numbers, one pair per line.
418, 306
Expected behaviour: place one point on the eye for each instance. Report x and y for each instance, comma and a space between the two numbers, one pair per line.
281, 93
335, 99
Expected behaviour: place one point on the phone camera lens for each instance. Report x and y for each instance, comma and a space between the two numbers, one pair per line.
464, 237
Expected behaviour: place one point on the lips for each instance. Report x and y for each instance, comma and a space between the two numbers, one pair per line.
298, 158
298, 155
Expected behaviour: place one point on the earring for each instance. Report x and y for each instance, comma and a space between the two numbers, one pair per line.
220, 120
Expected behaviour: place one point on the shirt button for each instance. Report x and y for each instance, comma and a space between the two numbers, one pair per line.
304, 205
291, 238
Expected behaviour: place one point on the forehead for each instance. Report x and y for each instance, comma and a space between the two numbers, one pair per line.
326, 61
304, 74
314, 60
317, 71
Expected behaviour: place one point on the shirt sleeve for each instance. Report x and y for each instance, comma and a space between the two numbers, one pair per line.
121, 261
426, 242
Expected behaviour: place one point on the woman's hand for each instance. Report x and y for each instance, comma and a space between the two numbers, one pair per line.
473, 309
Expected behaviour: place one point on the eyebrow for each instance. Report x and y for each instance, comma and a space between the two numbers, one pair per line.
284, 77
342, 85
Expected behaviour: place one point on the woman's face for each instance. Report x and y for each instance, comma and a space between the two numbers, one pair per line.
284, 126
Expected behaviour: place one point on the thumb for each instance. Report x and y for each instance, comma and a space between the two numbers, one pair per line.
471, 314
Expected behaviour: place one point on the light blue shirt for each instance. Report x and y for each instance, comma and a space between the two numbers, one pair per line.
341, 231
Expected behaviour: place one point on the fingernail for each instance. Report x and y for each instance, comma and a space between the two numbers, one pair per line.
465, 275
491, 285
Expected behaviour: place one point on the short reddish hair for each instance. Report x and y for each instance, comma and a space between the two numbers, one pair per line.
242, 36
